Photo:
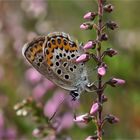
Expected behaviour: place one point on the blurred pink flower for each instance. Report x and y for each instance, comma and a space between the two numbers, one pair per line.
42, 88
11, 134
34, 8
48, 84
94, 108
33, 76
39, 91
1, 121
102, 71
66, 121
51, 106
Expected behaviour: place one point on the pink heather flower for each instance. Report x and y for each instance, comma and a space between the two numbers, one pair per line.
1, 120
116, 82
33, 76
34, 8
39, 91
48, 84
82, 118
51, 106
82, 58
36, 132
89, 45
91, 138
90, 16
86, 26
102, 71
66, 121
94, 108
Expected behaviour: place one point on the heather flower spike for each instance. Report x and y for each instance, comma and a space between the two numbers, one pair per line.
98, 56
90, 15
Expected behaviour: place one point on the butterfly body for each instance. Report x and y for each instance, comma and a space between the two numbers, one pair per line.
54, 57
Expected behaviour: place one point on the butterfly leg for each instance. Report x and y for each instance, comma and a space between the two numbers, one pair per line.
91, 87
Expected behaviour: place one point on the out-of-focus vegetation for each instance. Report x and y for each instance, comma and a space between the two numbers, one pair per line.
20, 21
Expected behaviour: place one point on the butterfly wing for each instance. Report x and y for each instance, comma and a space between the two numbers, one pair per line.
33, 52
60, 53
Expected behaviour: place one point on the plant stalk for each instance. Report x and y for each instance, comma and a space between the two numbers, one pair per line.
98, 51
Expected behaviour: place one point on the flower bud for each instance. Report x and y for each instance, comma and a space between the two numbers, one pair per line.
104, 37
94, 108
90, 45
92, 138
83, 118
104, 98
86, 26
101, 71
82, 58
90, 15
115, 82
111, 25
112, 119
108, 8
110, 52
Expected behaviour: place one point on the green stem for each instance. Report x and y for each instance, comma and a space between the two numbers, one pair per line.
98, 51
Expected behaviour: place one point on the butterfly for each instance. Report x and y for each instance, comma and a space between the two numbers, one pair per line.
54, 57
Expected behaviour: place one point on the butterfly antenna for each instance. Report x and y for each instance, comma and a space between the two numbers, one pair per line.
54, 114
73, 109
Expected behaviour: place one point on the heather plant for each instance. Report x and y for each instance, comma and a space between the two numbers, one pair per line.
51, 126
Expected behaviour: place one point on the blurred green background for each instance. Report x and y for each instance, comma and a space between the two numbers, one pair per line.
21, 20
